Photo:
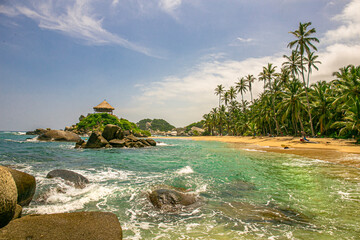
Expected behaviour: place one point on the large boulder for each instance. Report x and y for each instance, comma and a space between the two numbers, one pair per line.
78, 180
171, 200
59, 135
96, 140
8, 197
69, 226
110, 131
117, 143
25, 184
132, 138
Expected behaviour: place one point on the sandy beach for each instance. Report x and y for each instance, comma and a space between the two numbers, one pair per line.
340, 151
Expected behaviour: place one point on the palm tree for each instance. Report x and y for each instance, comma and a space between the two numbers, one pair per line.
310, 61
304, 43
250, 79
232, 94
226, 98
322, 102
219, 90
269, 74
293, 63
241, 87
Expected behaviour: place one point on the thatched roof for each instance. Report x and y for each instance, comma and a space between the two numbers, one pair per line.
104, 105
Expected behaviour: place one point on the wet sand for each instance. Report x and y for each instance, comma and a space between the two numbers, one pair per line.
340, 151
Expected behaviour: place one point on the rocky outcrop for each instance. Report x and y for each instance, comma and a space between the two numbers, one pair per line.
171, 200
25, 184
76, 179
96, 140
59, 135
114, 136
70, 226
8, 197
38, 131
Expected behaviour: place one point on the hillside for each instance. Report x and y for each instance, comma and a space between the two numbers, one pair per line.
155, 125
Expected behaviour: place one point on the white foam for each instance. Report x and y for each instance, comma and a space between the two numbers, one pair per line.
253, 150
35, 139
185, 170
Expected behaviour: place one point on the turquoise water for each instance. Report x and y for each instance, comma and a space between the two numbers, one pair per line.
243, 194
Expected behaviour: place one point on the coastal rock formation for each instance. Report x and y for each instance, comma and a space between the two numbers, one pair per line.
70, 226
170, 200
25, 184
8, 197
18, 212
114, 136
96, 140
78, 180
38, 131
59, 135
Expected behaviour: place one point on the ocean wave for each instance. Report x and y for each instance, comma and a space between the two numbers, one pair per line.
185, 170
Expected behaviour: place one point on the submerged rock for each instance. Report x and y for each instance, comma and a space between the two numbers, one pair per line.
78, 180
8, 197
25, 184
59, 135
259, 213
171, 200
152, 142
70, 226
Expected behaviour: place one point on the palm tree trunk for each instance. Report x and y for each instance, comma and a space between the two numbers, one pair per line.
307, 96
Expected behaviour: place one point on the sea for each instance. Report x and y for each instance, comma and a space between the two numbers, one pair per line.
241, 193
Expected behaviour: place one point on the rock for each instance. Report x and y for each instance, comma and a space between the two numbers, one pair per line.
119, 134
69, 226
139, 145
129, 144
78, 180
59, 135
151, 142
38, 131
146, 143
96, 141
127, 133
8, 197
117, 143
18, 212
170, 200
80, 144
110, 131
132, 138
258, 213
26, 186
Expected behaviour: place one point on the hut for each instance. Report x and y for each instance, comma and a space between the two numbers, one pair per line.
104, 107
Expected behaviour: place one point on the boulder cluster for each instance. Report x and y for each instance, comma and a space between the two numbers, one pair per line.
17, 190
114, 136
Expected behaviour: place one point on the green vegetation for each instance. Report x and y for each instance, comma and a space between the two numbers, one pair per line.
288, 105
199, 124
97, 122
155, 125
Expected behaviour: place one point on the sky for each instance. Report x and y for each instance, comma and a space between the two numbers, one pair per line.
152, 58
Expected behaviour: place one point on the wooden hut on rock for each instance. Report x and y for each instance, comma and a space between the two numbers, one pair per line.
104, 107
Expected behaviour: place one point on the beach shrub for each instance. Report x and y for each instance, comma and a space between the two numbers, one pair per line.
155, 125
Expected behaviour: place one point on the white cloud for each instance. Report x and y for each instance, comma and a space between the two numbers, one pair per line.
169, 6
245, 39
74, 18
349, 31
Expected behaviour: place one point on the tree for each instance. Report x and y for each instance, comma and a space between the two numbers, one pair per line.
304, 43
250, 79
310, 61
241, 87
219, 90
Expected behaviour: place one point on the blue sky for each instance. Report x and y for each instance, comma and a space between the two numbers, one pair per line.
151, 58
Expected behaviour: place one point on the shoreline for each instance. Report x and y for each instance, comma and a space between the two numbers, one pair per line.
339, 151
